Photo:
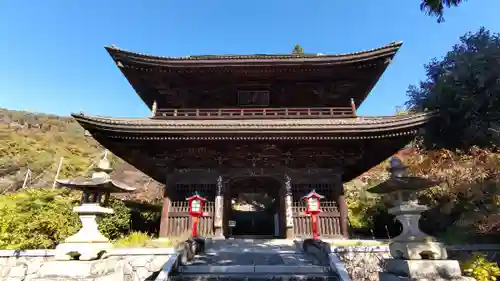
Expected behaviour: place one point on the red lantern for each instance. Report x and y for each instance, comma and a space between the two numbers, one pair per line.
196, 203
313, 208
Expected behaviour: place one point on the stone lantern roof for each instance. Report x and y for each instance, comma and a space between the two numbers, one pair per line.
400, 180
100, 180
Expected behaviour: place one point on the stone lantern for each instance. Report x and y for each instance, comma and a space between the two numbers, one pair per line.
416, 254
88, 243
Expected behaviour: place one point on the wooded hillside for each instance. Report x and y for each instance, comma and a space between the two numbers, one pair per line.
38, 141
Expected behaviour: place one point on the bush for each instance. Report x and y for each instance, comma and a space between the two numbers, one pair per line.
42, 218
118, 224
480, 268
140, 239
134, 240
37, 218
359, 209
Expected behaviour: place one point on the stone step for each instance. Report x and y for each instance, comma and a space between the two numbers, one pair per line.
253, 258
255, 277
264, 269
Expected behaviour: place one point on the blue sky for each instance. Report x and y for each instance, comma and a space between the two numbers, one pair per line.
53, 60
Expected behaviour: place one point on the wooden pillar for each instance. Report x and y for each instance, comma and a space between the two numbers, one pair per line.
164, 231
342, 206
219, 208
288, 208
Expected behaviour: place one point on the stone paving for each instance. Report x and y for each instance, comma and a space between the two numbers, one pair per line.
253, 252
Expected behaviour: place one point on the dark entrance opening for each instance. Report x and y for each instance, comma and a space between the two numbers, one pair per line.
254, 208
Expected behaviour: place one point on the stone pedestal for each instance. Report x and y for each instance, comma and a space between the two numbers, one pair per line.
399, 270
88, 243
418, 250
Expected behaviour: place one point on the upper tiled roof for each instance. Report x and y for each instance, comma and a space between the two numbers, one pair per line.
152, 76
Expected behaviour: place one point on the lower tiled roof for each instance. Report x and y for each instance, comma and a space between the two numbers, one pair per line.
334, 125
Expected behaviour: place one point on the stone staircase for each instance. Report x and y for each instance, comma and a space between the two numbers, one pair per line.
244, 259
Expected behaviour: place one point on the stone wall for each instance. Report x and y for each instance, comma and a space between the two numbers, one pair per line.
363, 263
121, 264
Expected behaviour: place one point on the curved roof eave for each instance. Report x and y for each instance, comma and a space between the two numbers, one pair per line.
120, 55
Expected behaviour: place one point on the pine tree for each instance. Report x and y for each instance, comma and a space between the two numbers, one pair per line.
298, 50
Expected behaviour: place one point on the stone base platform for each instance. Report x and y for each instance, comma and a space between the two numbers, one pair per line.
102, 270
391, 277
399, 270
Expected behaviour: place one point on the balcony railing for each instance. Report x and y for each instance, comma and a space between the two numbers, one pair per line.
255, 113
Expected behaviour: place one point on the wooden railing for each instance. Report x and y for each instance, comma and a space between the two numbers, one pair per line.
257, 113
180, 222
329, 220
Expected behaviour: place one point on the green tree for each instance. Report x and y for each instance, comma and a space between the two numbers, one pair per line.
298, 50
436, 7
465, 90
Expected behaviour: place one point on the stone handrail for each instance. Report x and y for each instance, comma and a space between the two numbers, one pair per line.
337, 265
168, 267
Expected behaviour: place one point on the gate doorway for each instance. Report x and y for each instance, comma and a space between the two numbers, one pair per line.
254, 208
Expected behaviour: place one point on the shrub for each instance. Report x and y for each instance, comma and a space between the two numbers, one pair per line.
118, 224
359, 208
140, 239
37, 218
481, 268
134, 240
42, 218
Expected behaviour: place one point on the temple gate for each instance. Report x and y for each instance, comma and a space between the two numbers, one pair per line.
230, 127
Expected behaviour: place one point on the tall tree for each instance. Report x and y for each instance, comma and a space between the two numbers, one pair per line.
436, 7
464, 88
298, 50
